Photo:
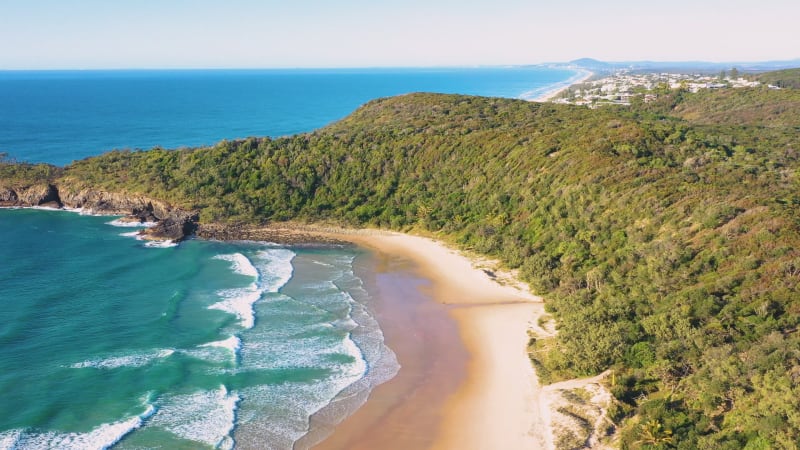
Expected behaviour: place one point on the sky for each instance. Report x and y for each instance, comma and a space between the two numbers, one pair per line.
114, 34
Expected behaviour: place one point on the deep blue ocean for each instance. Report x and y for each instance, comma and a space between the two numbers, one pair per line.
106, 341
60, 116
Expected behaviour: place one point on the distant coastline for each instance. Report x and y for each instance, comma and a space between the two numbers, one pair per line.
582, 76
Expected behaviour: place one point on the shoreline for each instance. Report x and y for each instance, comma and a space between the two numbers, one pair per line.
478, 373
467, 365
549, 95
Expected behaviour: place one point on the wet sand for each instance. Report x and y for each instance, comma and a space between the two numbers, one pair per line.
465, 380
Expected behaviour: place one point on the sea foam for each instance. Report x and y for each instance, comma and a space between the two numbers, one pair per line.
138, 236
133, 360
240, 264
216, 351
160, 244
207, 416
232, 343
239, 302
99, 438
130, 224
9, 439
274, 270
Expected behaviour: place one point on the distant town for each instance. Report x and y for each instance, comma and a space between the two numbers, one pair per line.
624, 86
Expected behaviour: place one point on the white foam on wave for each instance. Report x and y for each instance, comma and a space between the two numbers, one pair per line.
324, 264
240, 264
46, 208
537, 93
373, 362
273, 272
134, 360
139, 237
9, 439
276, 268
359, 367
130, 224
207, 416
285, 408
336, 349
160, 244
382, 364
239, 302
344, 324
84, 212
232, 344
99, 438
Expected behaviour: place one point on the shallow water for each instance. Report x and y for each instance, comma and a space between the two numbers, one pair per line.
103, 338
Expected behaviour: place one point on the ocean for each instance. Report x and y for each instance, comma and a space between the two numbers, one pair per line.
60, 116
108, 341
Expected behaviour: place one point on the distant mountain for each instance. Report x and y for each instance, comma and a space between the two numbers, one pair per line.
682, 66
590, 63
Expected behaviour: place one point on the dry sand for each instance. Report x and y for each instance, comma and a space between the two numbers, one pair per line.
465, 387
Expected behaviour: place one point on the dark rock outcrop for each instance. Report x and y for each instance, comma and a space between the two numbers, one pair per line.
171, 223
8, 197
102, 202
176, 226
35, 195
279, 234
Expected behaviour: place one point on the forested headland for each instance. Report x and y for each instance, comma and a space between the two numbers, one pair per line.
665, 237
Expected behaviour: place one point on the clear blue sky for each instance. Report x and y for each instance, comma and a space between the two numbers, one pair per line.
76, 34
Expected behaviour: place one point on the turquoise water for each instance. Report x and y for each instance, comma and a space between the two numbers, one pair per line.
60, 116
105, 341
191, 346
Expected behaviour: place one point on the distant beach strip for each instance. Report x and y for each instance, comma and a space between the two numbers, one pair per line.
548, 93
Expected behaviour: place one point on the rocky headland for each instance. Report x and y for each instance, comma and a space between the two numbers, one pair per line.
171, 224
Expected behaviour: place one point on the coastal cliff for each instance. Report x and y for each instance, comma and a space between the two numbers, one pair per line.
34, 195
171, 223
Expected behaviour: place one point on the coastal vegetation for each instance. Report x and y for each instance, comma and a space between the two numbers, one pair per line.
665, 236
787, 78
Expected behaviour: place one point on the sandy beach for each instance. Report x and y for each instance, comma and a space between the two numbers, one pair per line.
465, 380
553, 93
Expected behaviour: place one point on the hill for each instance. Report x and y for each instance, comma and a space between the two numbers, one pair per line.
739, 107
789, 78
666, 241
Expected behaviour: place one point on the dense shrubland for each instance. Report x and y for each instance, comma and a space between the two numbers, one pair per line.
788, 78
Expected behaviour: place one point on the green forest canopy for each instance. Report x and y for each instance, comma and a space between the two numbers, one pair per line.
665, 237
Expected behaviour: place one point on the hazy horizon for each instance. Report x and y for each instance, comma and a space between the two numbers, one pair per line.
250, 34
388, 67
